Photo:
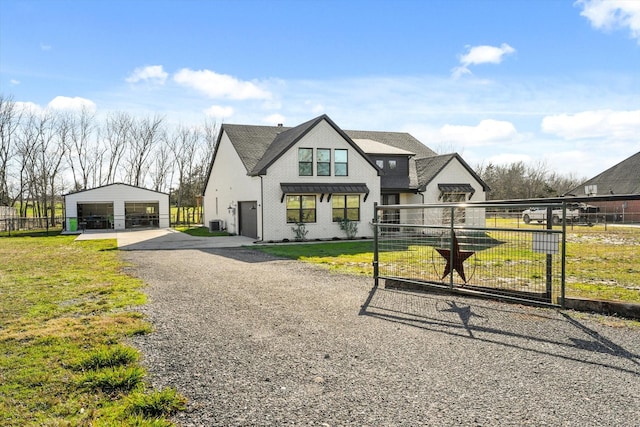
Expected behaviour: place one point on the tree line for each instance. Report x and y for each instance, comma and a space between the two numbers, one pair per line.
47, 153
521, 181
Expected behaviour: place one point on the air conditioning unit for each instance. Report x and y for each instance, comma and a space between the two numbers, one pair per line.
216, 225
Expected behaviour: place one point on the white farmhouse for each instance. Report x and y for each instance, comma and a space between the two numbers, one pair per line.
264, 181
116, 206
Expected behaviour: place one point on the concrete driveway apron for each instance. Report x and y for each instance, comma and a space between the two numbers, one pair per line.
165, 239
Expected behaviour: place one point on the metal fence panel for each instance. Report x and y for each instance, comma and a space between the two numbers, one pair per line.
454, 246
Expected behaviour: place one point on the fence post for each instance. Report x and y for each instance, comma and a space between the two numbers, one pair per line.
451, 248
375, 243
563, 254
549, 256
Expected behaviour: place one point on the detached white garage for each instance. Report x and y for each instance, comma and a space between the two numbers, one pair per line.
116, 206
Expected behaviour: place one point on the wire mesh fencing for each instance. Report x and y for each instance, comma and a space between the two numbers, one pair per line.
11, 224
455, 246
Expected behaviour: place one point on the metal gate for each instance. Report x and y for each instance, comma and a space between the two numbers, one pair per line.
461, 248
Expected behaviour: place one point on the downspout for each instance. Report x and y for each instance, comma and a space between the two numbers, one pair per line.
422, 210
261, 209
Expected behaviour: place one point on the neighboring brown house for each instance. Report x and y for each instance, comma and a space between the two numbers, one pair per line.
623, 178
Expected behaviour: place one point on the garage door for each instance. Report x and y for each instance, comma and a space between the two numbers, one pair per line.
141, 215
95, 216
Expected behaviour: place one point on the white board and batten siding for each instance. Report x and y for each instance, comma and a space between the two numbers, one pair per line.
229, 185
285, 169
455, 173
118, 194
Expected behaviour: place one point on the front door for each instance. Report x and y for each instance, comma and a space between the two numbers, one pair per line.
248, 214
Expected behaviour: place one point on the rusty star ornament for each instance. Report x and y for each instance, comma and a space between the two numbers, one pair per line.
458, 259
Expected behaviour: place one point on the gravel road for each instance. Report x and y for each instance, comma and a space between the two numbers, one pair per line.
254, 340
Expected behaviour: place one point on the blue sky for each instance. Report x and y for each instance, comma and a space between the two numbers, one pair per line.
554, 81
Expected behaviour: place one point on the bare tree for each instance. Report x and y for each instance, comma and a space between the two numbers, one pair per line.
80, 150
116, 136
9, 121
43, 161
98, 157
144, 135
162, 165
520, 181
210, 132
184, 145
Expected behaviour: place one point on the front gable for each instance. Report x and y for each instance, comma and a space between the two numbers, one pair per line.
335, 168
314, 133
449, 174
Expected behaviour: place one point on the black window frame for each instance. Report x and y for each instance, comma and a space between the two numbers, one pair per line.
336, 163
305, 163
344, 210
324, 164
300, 213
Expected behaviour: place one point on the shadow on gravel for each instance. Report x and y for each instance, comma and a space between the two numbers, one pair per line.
543, 331
243, 255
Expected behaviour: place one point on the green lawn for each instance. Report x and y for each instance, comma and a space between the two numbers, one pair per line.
66, 311
601, 264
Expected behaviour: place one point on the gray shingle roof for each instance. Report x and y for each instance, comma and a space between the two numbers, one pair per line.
623, 178
429, 167
251, 142
281, 143
401, 140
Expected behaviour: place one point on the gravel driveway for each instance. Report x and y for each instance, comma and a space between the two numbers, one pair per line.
254, 340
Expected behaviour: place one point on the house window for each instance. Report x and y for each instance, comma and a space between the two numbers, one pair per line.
380, 164
454, 197
346, 206
324, 162
459, 214
301, 209
341, 163
305, 161
392, 164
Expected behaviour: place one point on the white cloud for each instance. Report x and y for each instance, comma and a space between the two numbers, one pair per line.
486, 132
275, 119
219, 112
482, 55
45, 47
150, 73
612, 14
217, 85
594, 124
314, 107
508, 158
14, 82
66, 103
29, 107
